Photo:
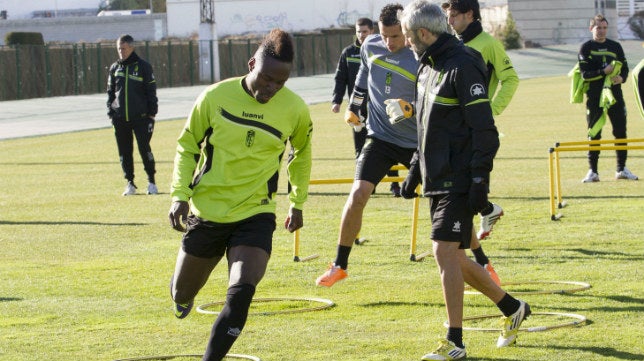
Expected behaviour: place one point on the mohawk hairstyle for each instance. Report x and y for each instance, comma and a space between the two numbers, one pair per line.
278, 44
389, 14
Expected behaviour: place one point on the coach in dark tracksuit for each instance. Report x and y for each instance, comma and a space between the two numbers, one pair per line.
457, 143
345, 77
132, 106
597, 59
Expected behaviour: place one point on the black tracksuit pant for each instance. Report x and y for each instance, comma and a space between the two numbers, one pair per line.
125, 131
617, 116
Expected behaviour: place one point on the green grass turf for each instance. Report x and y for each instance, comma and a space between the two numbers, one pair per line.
84, 272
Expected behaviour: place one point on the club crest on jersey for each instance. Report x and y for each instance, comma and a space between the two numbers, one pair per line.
477, 90
250, 138
388, 79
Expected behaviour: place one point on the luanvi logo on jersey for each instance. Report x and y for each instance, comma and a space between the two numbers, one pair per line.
250, 138
457, 227
252, 115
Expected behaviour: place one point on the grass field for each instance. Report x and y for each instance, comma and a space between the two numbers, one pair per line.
84, 272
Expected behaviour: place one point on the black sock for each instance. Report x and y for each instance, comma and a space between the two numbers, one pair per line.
455, 334
508, 305
487, 210
230, 322
342, 258
480, 256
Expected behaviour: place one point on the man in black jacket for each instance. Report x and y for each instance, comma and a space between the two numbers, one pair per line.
345, 78
457, 142
603, 66
132, 106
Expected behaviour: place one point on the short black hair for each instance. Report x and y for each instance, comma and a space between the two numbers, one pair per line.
126, 39
463, 6
365, 22
389, 14
278, 44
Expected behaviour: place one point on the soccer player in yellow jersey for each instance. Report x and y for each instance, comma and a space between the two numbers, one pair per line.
225, 181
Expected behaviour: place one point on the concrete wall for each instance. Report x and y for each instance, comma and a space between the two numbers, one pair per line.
239, 17
90, 29
549, 22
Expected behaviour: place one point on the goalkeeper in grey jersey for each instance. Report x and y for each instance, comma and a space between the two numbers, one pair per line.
387, 71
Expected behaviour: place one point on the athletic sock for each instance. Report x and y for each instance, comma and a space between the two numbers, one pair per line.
480, 256
342, 257
230, 322
487, 210
508, 305
455, 334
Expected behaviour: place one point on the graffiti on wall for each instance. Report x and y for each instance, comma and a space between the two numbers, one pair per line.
348, 18
261, 22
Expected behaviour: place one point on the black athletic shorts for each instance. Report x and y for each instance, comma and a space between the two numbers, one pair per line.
451, 218
208, 239
377, 157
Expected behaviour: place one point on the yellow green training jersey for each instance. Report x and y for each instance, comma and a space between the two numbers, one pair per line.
500, 68
229, 153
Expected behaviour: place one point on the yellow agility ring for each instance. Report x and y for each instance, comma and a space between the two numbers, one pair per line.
577, 320
574, 287
170, 357
290, 305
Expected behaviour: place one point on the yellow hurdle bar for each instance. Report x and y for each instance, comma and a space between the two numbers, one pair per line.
414, 228
554, 168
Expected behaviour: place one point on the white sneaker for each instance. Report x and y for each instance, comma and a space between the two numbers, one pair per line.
152, 189
130, 189
511, 325
446, 351
591, 177
488, 221
625, 174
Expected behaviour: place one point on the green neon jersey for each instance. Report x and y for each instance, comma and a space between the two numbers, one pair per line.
229, 153
500, 69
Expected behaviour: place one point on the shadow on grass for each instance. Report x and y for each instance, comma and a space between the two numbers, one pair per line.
73, 163
400, 304
638, 303
60, 223
9, 299
586, 254
602, 351
547, 198
469, 358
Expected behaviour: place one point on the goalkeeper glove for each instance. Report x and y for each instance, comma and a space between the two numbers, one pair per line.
398, 110
355, 103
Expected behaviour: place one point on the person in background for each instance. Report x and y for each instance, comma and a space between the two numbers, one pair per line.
132, 105
226, 173
345, 78
457, 143
464, 17
638, 85
603, 67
